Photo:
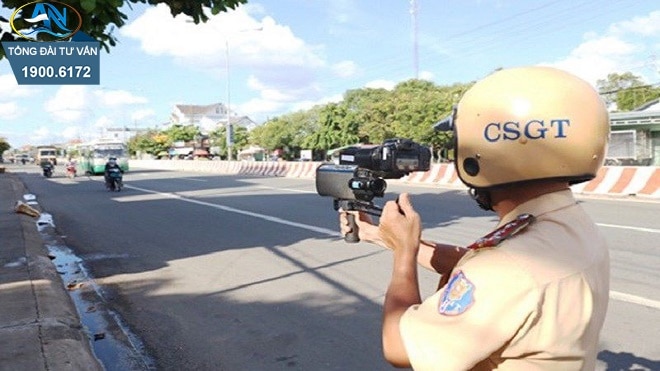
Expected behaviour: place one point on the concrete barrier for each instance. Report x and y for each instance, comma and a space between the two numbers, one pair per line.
643, 181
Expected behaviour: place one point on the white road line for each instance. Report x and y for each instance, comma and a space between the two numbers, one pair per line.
329, 232
286, 189
639, 229
620, 296
615, 295
195, 179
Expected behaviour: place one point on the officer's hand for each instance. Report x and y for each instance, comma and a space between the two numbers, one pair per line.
367, 231
400, 225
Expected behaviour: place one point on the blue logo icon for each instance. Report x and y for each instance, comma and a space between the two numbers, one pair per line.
56, 19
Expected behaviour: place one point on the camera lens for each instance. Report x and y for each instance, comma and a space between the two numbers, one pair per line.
377, 186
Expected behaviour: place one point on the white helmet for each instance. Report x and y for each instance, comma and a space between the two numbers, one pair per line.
529, 123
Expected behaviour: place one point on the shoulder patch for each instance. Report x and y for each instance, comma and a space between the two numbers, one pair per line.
495, 237
458, 296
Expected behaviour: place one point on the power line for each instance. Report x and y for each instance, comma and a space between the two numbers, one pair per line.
629, 88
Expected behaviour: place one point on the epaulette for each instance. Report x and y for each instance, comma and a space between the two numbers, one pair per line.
495, 237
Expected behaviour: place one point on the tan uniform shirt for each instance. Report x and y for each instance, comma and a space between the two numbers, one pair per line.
537, 301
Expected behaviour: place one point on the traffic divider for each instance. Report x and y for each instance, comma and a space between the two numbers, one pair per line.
643, 181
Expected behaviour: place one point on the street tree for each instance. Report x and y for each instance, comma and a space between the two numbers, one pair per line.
4, 145
287, 132
100, 18
152, 142
218, 138
627, 90
183, 133
336, 128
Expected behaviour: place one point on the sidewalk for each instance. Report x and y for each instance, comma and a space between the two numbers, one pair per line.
39, 326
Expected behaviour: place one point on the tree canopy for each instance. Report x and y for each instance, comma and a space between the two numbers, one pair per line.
101, 17
627, 90
4, 145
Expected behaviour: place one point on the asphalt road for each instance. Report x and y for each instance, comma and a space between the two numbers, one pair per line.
246, 273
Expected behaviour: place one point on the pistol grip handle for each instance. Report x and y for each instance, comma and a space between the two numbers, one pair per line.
352, 237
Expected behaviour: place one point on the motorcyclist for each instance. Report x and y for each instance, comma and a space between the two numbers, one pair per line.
46, 167
71, 166
111, 164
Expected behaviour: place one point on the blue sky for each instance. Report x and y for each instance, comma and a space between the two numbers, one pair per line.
287, 55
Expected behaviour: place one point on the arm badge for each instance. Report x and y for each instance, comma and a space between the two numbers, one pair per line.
458, 296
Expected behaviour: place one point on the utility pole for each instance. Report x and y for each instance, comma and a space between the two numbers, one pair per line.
414, 10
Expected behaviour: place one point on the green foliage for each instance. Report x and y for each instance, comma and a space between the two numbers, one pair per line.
151, 142
366, 116
101, 17
218, 138
184, 133
289, 132
4, 145
626, 90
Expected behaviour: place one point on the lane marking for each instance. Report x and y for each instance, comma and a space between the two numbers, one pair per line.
639, 229
286, 189
620, 296
329, 232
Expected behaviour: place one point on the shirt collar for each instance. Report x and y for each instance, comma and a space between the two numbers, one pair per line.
540, 205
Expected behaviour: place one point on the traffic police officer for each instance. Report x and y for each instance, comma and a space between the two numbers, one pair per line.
531, 295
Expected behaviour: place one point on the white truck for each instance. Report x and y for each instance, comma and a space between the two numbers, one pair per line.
46, 153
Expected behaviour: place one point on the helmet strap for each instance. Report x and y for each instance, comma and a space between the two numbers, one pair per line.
482, 197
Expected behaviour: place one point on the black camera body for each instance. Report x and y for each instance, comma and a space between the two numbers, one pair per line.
348, 182
361, 172
393, 159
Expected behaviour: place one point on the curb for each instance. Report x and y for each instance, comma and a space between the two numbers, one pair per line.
55, 339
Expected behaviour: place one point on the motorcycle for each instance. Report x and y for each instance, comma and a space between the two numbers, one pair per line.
47, 170
71, 171
114, 180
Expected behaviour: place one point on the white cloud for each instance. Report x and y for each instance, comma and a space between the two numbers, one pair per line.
42, 135
69, 104
345, 69
381, 84
71, 132
427, 75
9, 111
205, 44
113, 98
142, 114
9, 88
646, 26
627, 46
283, 67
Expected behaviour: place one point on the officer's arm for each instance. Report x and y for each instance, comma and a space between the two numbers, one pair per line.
433, 256
400, 228
402, 292
439, 257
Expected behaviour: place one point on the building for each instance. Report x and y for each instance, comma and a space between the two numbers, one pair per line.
635, 136
207, 117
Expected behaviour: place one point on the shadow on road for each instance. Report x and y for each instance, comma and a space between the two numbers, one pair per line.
626, 361
288, 297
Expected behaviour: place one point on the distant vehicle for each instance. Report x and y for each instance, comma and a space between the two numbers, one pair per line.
71, 170
47, 153
114, 180
47, 168
22, 158
94, 155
